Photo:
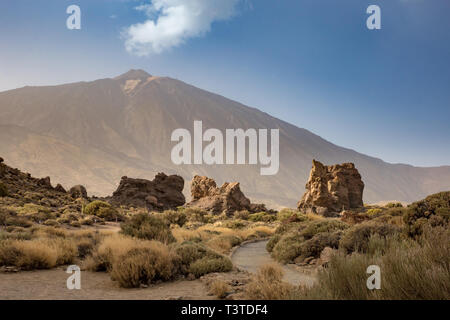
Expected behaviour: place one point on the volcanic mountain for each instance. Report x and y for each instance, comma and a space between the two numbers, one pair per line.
93, 133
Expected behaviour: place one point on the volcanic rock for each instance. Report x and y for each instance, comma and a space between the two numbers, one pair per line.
78, 191
331, 189
45, 182
228, 198
162, 193
60, 188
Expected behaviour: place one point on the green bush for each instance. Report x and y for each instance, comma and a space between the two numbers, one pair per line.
102, 210
433, 210
374, 212
357, 237
298, 241
262, 217
150, 227
235, 224
310, 229
289, 214
3, 190
199, 260
288, 247
394, 205
208, 265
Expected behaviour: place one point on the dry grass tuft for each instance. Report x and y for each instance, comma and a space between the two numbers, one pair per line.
219, 288
267, 284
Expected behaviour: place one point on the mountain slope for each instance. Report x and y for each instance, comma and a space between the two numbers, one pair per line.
95, 132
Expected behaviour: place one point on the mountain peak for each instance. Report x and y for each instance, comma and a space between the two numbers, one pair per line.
133, 74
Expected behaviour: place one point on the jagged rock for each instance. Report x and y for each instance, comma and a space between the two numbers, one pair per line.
202, 187
78, 191
162, 193
1, 160
331, 189
45, 182
228, 198
60, 188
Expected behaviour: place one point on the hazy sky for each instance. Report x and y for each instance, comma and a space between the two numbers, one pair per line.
313, 63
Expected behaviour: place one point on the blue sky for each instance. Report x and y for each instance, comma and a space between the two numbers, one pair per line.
313, 63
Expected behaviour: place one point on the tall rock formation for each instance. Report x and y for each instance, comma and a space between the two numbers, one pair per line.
331, 189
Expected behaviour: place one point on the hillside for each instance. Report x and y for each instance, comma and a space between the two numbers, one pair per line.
92, 133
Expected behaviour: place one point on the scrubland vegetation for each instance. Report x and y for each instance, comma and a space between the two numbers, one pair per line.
410, 244
149, 247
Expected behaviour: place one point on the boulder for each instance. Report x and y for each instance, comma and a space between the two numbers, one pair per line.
162, 193
332, 189
78, 191
228, 198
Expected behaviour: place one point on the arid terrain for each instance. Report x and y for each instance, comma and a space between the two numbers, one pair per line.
145, 241
93, 133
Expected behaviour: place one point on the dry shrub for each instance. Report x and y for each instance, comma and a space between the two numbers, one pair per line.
241, 215
409, 270
37, 253
315, 217
219, 288
174, 217
27, 255
256, 232
195, 214
224, 243
222, 238
109, 250
267, 284
148, 227
145, 265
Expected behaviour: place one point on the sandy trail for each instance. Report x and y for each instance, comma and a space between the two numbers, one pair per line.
51, 285
252, 256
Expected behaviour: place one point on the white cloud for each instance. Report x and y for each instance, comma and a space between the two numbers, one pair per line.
171, 22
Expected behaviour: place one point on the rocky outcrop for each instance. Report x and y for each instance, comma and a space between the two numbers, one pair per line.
228, 198
331, 189
78, 191
162, 193
45, 182
60, 188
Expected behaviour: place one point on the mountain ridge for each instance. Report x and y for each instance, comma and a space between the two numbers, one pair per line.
111, 128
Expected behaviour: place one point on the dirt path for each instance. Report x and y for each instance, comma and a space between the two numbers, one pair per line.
252, 256
51, 285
